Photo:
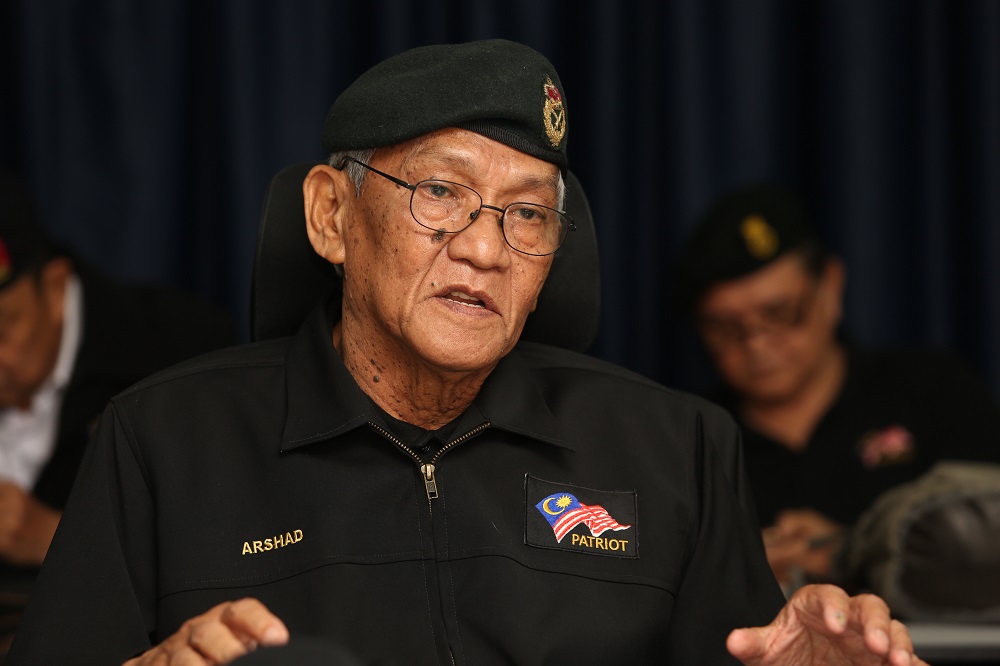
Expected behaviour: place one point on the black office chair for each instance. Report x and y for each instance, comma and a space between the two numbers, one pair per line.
289, 278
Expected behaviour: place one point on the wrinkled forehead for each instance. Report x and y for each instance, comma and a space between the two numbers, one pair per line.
470, 159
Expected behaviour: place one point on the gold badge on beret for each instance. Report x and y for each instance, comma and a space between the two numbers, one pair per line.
760, 237
554, 113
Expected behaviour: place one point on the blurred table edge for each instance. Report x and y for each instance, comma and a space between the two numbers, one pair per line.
955, 642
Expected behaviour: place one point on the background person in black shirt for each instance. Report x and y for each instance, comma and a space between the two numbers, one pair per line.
827, 426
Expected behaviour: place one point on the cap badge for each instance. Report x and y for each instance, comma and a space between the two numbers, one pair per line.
760, 237
5, 264
554, 114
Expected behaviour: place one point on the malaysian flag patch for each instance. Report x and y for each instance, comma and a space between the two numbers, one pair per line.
596, 522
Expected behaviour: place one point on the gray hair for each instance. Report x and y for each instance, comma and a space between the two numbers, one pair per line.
354, 172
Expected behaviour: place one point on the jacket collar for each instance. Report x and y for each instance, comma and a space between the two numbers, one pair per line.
325, 402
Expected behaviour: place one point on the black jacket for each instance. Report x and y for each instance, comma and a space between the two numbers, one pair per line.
265, 471
929, 405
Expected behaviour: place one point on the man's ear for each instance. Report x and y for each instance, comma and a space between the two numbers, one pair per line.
53, 278
833, 279
326, 193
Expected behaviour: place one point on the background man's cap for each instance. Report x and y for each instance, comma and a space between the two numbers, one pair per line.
743, 231
23, 242
503, 90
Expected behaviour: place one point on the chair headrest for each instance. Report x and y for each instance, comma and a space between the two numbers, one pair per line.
289, 278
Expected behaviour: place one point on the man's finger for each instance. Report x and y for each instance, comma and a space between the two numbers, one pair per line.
186, 656
822, 607
901, 645
871, 615
217, 642
250, 618
747, 644
223, 633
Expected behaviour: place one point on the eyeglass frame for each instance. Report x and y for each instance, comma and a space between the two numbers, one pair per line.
412, 187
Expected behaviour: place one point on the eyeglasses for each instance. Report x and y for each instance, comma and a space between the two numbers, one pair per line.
773, 320
448, 208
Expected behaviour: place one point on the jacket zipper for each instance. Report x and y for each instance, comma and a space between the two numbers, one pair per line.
427, 470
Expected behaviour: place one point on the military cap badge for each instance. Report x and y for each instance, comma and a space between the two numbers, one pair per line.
554, 113
760, 237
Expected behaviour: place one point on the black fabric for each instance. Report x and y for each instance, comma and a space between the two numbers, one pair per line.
300, 652
23, 243
289, 277
129, 332
289, 495
150, 129
930, 399
503, 89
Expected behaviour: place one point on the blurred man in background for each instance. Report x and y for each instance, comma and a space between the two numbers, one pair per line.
70, 338
827, 426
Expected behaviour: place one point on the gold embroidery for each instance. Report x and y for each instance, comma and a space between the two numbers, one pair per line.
555, 113
600, 543
276, 541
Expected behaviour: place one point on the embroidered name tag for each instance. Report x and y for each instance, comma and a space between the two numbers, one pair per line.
276, 541
595, 522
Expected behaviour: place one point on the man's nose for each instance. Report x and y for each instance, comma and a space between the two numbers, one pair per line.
493, 213
756, 336
482, 244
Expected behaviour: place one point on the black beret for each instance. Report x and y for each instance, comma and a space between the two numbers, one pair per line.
740, 233
498, 88
23, 242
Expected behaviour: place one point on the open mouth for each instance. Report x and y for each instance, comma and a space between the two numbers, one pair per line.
465, 299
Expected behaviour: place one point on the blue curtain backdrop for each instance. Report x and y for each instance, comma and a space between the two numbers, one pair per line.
149, 129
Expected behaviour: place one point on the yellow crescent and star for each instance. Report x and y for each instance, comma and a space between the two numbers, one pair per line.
561, 503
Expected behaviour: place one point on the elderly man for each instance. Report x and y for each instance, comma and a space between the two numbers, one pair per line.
406, 480
828, 426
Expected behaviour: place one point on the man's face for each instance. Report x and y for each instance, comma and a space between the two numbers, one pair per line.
31, 311
455, 302
769, 332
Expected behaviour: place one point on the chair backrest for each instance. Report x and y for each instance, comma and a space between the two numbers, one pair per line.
289, 278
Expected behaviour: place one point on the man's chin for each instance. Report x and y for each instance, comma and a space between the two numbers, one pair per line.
9, 400
466, 357
464, 350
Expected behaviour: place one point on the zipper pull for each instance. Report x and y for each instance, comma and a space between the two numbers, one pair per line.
429, 482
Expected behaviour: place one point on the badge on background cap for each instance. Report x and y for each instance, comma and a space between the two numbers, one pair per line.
555, 114
760, 237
